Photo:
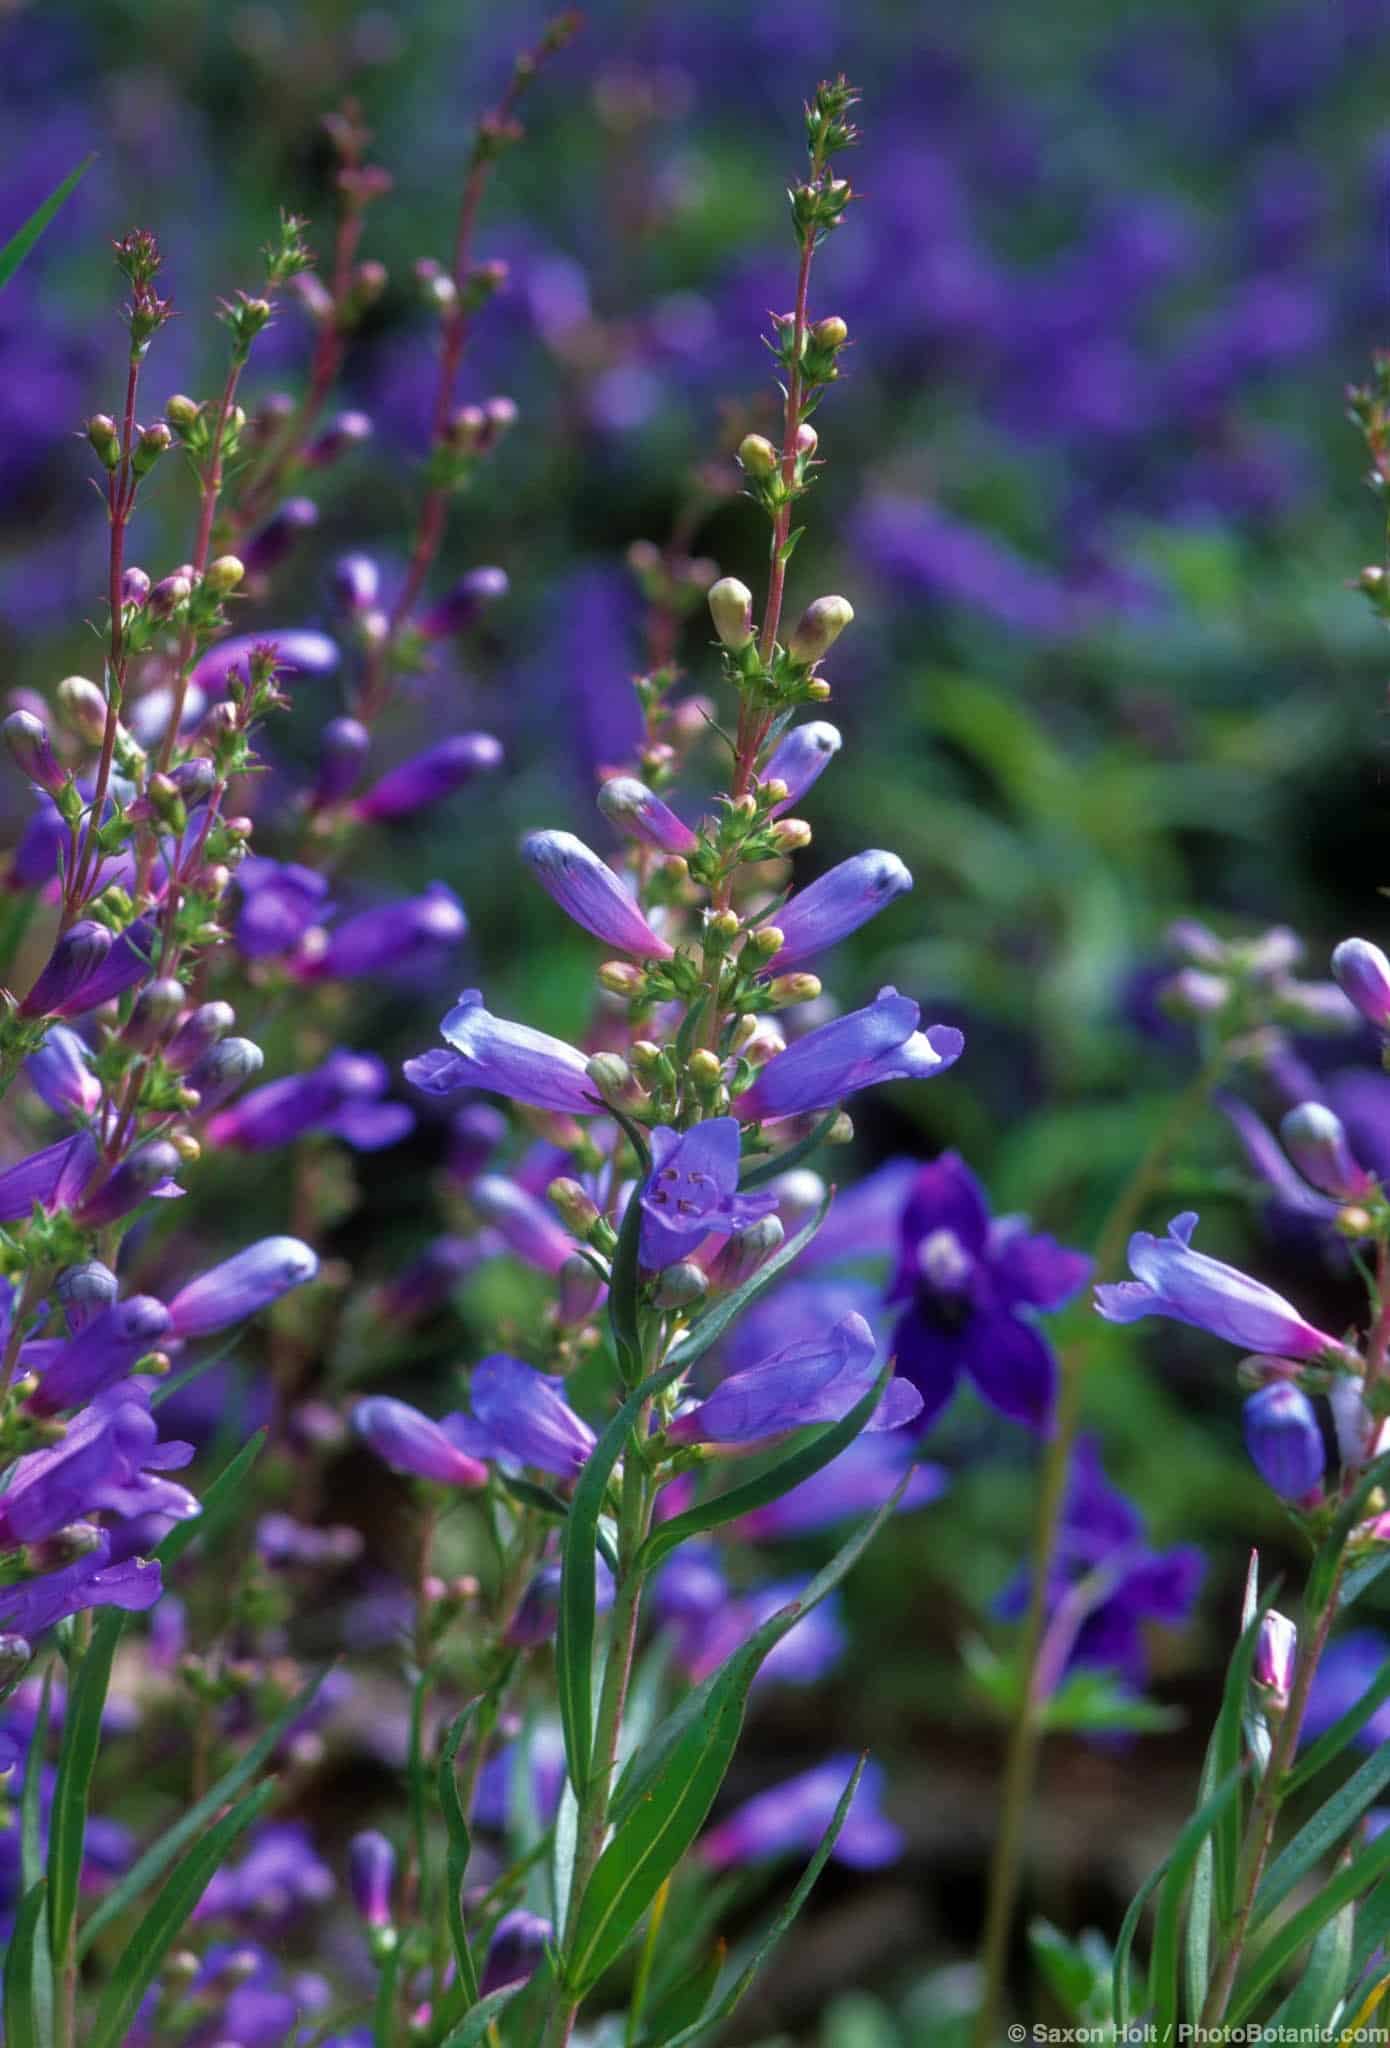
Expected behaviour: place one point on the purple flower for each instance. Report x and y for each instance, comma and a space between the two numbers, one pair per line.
459, 607
811, 1647
1107, 1583
409, 1442
519, 1942
342, 1098
971, 1286
525, 1225
859, 1050
429, 777
60, 1073
54, 1177
1363, 975
818, 917
858, 1482
430, 1279
692, 1191
1348, 1668
280, 1874
74, 960
1284, 1440
371, 1874
1172, 1280
241, 1286
151, 1169
128, 961
801, 758
638, 811
524, 1415
296, 652
72, 1369
280, 902
792, 1819
587, 890
538, 1613
392, 936
344, 744
509, 1059
817, 1380
104, 1464
33, 1607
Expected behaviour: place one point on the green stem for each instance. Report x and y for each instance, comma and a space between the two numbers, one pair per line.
1025, 1735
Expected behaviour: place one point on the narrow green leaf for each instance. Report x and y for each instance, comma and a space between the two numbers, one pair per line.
716, 1320
460, 1847
574, 1639
1322, 1981
771, 1485
636, 1782
23, 1965
623, 1283
1359, 1581
1372, 1929
1129, 1927
1225, 1750
783, 1920
1072, 1975
30, 1798
384, 2010
221, 1498
143, 1957
161, 1853
1299, 1929
481, 2018
67, 1824
1342, 1732
686, 2000
1163, 1958
20, 243
783, 1162
1323, 1832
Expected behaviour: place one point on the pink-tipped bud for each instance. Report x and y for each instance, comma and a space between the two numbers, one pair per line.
731, 608
1276, 1654
757, 456
819, 627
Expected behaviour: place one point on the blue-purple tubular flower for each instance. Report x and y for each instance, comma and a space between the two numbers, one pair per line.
53, 1178
859, 1050
392, 936
588, 890
526, 1226
74, 960
972, 1286
297, 653
36, 1605
818, 917
128, 961
241, 1286
792, 1819
106, 1463
518, 1946
692, 1191
344, 745
1284, 1440
409, 1442
151, 1169
73, 1369
810, 1649
505, 1058
638, 811
280, 902
524, 1415
817, 1380
371, 1874
429, 777
801, 758
538, 1614
464, 603
1173, 1280
858, 1482
1362, 973
342, 1097
1347, 1670
60, 1073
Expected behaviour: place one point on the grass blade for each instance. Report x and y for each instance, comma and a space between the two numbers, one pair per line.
23, 240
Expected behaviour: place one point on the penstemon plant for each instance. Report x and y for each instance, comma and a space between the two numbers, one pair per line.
577, 1697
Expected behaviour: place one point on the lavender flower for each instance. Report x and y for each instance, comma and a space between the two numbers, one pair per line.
106, 1462
241, 1286
518, 1946
1363, 974
342, 1098
860, 1050
280, 902
60, 1073
393, 936
524, 1414
587, 890
1284, 1440
525, 1226
509, 1059
1173, 1280
692, 1193
817, 1380
801, 758
635, 809
816, 918
72, 1369
429, 777
409, 1442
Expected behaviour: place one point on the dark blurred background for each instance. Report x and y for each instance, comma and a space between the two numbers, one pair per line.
1089, 484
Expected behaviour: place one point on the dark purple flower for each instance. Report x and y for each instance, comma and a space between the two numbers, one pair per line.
505, 1058
280, 902
371, 1874
72, 1369
54, 1177
342, 1098
344, 744
60, 1073
33, 1607
859, 1050
241, 1286
818, 917
128, 961
588, 890
1173, 1280
692, 1191
409, 1442
74, 960
1347, 1670
151, 1169
524, 1414
519, 1942
1284, 1440
816, 1380
429, 777
792, 1819
972, 1286
460, 607
392, 936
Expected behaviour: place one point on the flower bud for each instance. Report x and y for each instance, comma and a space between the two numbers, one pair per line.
223, 575
746, 1250
1276, 1655
704, 1068
1316, 1141
633, 808
621, 978
461, 606
578, 1211
32, 751
610, 1074
356, 582
830, 333
579, 1288
348, 430
731, 608
516, 1950
156, 1007
16, 1655
85, 1291
135, 1179
790, 835
757, 456
1362, 972
196, 1036
343, 749
82, 708
819, 627
182, 413
1284, 1440
788, 989
74, 960
101, 432
681, 1285
371, 1874
150, 443
135, 587
168, 594
223, 1071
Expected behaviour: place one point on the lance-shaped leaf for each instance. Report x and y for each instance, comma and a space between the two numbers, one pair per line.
1163, 1958
475, 2027
1322, 1832
26, 2006
1343, 1731
21, 242
782, 1162
67, 1826
1300, 1928
459, 1850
